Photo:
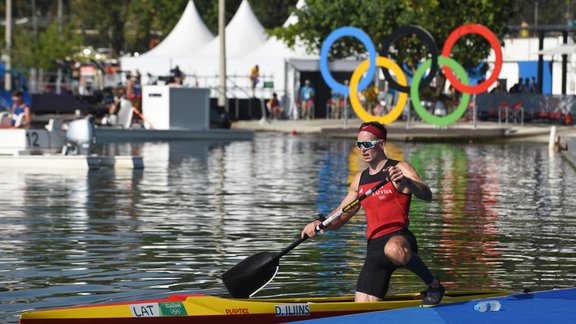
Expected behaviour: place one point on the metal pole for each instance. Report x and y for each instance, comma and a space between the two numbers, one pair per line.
60, 29
8, 39
408, 125
345, 111
474, 112
536, 13
33, 71
222, 33
540, 61
564, 62
34, 20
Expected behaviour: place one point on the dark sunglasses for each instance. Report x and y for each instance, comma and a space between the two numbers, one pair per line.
368, 144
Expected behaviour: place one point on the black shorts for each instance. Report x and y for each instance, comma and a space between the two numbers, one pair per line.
374, 278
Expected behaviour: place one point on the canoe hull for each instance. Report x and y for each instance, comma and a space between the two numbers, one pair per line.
204, 309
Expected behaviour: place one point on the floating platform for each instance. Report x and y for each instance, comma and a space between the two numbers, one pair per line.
112, 134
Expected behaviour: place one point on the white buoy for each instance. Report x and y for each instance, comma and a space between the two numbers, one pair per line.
552, 139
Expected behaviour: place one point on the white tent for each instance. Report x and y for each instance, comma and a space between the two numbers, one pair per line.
243, 34
187, 36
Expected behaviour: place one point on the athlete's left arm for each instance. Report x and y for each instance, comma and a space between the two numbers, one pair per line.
406, 180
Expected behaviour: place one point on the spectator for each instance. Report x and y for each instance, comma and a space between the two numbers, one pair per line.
526, 88
176, 72
307, 100
21, 117
534, 85
378, 110
517, 88
370, 95
130, 94
499, 88
274, 106
138, 89
254, 78
334, 104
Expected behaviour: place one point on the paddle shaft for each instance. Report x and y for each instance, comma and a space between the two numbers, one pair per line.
329, 220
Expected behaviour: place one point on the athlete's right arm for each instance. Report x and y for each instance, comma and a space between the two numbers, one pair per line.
352, 195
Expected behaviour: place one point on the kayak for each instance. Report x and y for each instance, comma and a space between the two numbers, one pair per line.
203, 308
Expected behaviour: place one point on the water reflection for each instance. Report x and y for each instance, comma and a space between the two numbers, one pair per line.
502, 217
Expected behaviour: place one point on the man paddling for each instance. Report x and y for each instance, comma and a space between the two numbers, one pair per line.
391, 245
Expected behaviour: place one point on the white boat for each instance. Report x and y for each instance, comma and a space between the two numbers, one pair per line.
15, 140
55, 148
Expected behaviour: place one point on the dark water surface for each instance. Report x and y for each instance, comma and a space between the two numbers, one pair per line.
503, 216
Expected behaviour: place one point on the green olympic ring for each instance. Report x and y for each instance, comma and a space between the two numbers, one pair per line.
415, 96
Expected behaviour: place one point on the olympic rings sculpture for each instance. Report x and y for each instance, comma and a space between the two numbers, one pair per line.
449, 66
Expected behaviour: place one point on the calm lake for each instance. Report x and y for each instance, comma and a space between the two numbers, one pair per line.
503, 216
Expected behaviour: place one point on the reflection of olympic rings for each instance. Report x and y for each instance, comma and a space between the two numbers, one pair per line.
400, 85
361, 112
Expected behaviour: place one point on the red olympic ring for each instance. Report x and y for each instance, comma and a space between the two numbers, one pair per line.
491, 38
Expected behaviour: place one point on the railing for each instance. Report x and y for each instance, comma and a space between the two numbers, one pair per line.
526, 108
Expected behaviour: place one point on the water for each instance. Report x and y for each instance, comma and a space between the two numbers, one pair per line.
503, 217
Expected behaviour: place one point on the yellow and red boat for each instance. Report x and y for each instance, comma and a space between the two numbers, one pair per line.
209, 309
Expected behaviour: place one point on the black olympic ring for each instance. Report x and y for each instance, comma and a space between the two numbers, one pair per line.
427, 38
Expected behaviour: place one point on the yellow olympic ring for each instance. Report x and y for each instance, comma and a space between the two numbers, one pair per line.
402, 98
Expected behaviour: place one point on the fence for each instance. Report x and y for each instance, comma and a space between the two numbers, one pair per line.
526, 108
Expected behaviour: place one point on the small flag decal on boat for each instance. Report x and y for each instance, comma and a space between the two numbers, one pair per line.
158, 309
292, 310
173, 309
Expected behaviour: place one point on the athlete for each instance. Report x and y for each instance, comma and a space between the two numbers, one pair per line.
390, 244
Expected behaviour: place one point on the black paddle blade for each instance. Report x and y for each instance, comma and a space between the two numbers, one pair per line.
250, 275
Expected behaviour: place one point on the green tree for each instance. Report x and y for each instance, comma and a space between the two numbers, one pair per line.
107, 17
379, 18
51, 48
149, 19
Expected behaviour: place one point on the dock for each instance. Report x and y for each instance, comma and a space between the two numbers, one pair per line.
415, 131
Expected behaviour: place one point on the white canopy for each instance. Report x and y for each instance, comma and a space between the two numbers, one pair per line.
243, 34
189, 34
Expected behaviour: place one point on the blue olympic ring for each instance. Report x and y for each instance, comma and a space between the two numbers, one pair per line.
370, 48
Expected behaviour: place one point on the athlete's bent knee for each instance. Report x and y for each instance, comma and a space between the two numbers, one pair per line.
398, 254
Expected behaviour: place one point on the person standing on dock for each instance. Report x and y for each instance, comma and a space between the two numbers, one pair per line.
390, 244
307, 100
254, 79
